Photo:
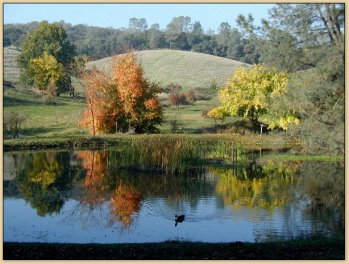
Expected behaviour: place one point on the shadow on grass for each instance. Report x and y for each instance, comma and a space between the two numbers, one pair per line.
36, 131
241, 127
10, 101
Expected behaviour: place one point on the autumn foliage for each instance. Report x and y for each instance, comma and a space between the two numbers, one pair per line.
138, 97
103, 106
125, 101
94, 163
124, 203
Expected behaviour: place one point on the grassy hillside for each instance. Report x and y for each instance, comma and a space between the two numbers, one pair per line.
11, 71
190, 69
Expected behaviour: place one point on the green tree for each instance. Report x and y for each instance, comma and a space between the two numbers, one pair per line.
156, 38
138, 24
52, 39
196, 35
176, 32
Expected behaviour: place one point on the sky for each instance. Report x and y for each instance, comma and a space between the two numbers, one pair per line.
118, 15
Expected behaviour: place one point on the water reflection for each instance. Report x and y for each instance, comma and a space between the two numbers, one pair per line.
265, 186
42, 179
313, 189
293, 197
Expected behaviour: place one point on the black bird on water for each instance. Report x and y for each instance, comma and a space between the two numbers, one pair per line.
179, 219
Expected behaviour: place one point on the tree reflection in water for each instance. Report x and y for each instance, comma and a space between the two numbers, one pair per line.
42, 177
124, 204
266, 186
98, 183
95, 181
315, 189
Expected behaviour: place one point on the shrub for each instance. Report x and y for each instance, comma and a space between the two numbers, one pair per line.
190, 96
177, 99
12, 124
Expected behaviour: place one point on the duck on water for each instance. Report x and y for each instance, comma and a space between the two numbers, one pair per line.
179, 219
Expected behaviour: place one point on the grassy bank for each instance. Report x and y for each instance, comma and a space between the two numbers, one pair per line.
286, 157
315, 249
79, 142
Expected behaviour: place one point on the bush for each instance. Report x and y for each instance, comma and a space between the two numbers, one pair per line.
12, 124
190, 96
177, 99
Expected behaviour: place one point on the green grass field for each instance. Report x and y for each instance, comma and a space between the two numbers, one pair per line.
43, 120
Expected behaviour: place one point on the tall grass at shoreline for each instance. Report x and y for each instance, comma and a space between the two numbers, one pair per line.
171, 155
175, 154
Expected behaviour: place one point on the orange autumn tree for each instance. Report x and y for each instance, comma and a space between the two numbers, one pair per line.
126, 101
104, 110
138, 96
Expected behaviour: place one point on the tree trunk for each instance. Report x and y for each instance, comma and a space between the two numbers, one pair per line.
93, 118
330, 21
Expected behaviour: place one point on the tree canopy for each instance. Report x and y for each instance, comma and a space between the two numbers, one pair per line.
125, 101
47, 49
47, 71
181, 33
250, 92
138, 96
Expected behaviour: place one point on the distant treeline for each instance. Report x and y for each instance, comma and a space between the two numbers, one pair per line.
180, 34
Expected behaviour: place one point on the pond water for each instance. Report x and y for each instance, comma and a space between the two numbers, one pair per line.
83, 197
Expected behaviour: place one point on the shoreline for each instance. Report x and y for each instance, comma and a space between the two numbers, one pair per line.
298, 249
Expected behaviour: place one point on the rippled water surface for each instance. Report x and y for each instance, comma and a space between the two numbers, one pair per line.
82, 197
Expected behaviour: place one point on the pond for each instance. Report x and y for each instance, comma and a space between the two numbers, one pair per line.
88, 197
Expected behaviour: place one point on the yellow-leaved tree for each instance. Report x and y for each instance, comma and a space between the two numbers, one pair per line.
47, 71
251, 92
217, 113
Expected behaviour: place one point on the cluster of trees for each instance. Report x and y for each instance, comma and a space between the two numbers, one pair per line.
127, 101
312, 41
181, 33
302, 48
